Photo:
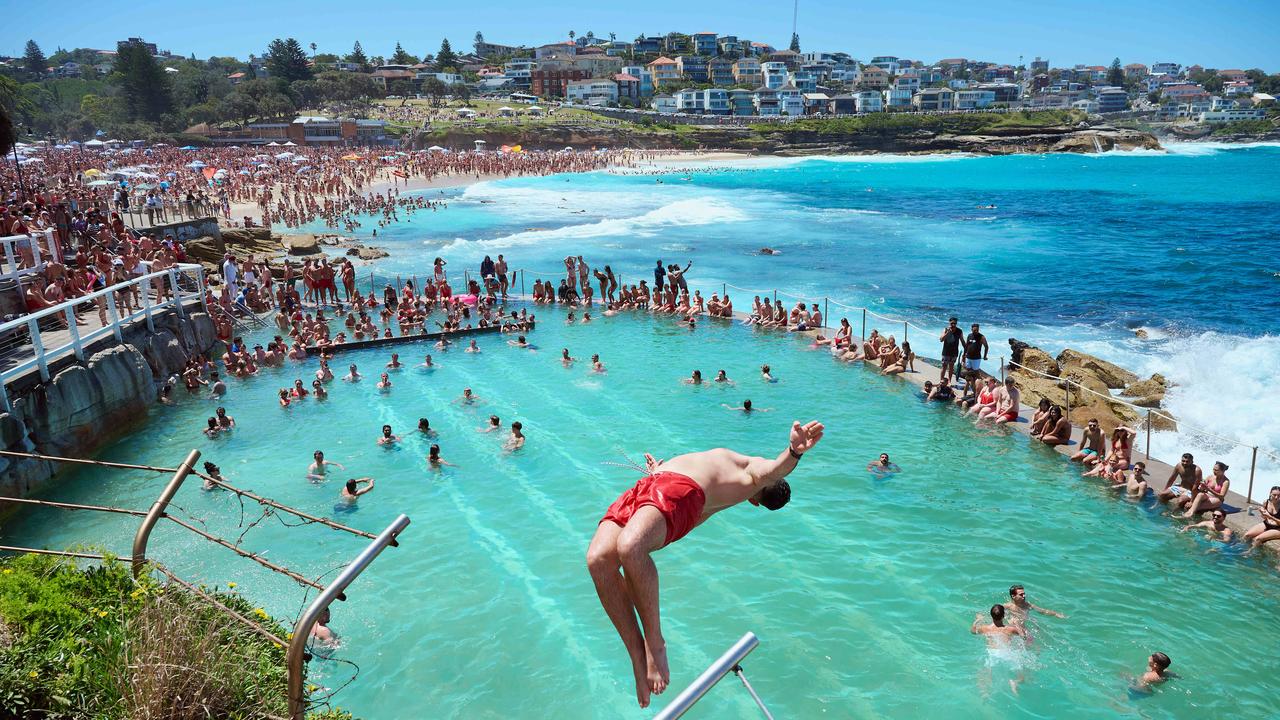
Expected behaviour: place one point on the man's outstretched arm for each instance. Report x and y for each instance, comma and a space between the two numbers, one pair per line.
803, 438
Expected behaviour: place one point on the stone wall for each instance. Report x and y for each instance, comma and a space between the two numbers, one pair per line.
188, 229
85, 406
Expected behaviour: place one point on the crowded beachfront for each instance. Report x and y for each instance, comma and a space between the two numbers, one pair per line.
318, 313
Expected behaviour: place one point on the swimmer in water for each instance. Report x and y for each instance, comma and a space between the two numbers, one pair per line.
566, 359
1018, 608
384, 384
428, 364
766, 375
473, 347
596, 365
494, 424
214, 474
999, 636
434, 459
321, 633
443, 344
317, 389
394, 364
352, 375
424, 427
516, 440
882, 466
1157, 671
746, 407
694, 379
387, 438
467, 397
519, 342
352, 490
318, 470
721, 377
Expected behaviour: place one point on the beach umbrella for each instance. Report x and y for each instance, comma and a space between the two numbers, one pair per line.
352, 156
146, 175
436, 148
243, 172
291, 144
100, 183
171, 174
187, 147
273, 143
92, 172
195, 165
94, 144
283, 155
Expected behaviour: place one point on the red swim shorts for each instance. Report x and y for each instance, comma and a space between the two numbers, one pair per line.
676, 496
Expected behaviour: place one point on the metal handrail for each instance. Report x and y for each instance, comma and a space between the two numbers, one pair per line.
297, 651
725, 664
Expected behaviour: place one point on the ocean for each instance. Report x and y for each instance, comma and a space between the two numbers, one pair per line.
1063, 250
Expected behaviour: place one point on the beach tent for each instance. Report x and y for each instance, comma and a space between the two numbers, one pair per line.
504, 110
435, 148
291, 144
352, 156
273, 143
535, 110
94, 144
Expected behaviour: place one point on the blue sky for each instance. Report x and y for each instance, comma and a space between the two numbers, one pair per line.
1225, 34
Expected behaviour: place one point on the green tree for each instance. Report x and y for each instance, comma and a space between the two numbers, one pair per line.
275, 106
1115, 74
795, 42
446, 58
479, 41
572, 34
143, 83
286, 60
435, 89
400, 57
239, 106
34, 60
358, 57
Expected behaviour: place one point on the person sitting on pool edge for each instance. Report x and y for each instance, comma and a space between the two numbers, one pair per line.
677, 495
941, 392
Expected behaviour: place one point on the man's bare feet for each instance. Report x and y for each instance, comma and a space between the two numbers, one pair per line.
640, 668
659, 673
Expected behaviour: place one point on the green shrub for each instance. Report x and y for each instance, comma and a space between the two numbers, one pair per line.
92, 643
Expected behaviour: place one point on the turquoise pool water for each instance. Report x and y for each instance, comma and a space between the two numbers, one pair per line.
861, 590
1059, 250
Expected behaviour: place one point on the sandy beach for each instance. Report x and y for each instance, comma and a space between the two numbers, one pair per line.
388, 181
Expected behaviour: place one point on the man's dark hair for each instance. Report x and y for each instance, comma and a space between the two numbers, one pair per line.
997, 615
1014, 588
1161, 660
775, 496
351, 485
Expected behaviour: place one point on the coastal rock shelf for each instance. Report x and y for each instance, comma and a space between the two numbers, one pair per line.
1097, 376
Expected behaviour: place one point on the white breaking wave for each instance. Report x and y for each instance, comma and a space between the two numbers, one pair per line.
682, 213
1211, 148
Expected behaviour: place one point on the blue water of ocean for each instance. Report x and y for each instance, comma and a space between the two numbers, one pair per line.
1058, 250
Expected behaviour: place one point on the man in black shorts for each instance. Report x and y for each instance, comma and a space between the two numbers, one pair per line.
975, 350
951, 338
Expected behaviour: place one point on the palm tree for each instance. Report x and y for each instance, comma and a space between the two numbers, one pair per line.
313, 51
572, 34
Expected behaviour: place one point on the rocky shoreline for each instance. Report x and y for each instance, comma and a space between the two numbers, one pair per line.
274, 248
1099, 378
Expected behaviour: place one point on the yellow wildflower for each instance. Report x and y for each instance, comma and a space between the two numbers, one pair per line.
8, 571
231, 585
102, 613
35, 673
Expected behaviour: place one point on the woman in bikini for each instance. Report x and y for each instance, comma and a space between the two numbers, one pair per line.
986, 399
1209, 494
1269, 528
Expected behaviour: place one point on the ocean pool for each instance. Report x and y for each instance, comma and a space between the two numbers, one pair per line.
861, 590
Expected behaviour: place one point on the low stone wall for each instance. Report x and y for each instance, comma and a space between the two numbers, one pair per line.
85, 406
188, 229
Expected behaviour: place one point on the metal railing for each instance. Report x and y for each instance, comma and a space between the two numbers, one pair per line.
25, 255
729, 662
1148, 414
295, 654
37, 339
